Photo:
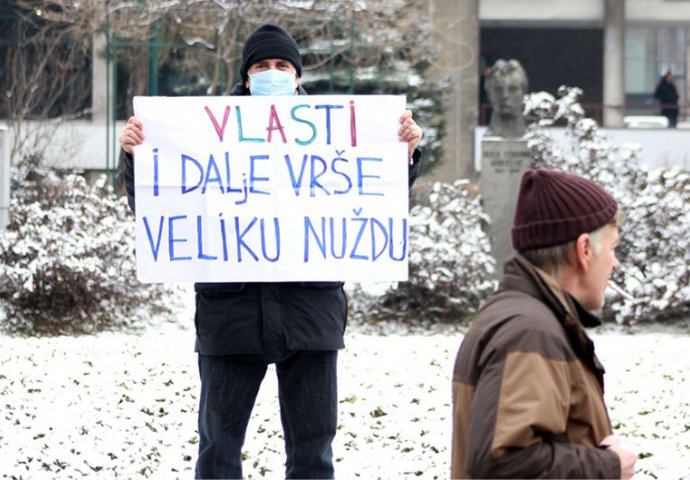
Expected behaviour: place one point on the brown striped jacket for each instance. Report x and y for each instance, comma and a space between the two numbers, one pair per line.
528, 387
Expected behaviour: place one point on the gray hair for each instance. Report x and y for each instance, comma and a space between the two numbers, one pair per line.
551, 259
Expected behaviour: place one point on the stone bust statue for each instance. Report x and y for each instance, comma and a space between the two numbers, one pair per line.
506, 87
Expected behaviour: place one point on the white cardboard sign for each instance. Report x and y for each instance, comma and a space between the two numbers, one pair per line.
248, 189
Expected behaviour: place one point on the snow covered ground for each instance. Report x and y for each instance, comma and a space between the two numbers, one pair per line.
124, 405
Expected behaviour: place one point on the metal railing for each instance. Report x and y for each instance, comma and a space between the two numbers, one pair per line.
596, 110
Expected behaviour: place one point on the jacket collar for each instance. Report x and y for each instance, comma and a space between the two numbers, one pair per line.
546, 288
521, 275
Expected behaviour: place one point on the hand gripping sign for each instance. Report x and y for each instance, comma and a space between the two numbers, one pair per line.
269, 189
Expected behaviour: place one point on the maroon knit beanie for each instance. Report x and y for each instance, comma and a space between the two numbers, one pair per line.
554, 208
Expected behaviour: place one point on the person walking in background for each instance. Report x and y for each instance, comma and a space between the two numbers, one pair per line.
667, 95
241, 328
527, 385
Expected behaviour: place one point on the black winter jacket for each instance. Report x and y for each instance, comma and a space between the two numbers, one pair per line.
267, 319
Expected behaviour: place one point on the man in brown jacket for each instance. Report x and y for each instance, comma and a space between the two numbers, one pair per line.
527, 386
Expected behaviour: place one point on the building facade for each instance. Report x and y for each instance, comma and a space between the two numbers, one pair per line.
614, 50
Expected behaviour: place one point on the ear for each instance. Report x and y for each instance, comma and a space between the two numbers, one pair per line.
246, 83
583, 251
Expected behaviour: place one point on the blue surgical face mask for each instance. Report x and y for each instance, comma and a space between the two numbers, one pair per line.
272, 82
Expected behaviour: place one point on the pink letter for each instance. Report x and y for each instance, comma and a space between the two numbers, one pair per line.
274, 124
219, 130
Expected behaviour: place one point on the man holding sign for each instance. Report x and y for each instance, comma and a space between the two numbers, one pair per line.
289, 318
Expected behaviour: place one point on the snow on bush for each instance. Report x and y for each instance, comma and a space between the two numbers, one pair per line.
450, 262
67, 257
654, 252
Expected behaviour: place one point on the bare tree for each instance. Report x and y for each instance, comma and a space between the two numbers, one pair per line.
208, 34
202, 41
44, 76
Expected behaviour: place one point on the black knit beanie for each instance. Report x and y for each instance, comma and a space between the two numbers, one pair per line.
270, 41
554, 208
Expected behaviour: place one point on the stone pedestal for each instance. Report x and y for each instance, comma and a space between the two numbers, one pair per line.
503, 163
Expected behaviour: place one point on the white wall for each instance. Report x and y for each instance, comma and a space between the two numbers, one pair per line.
673, 11
81, 144
659, 147
589, 11
74, 144
542, 10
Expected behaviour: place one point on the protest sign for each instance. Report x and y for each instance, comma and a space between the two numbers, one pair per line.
249, 189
